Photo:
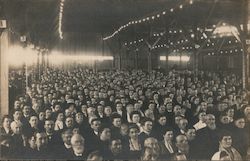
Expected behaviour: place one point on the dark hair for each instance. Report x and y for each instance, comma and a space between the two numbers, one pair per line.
118, 102
144, 120
34, 115
133, 126
114, 116
101, 129
4, 117
223, 133
161, 115
168, 129
94, 119
66, 131
134, 113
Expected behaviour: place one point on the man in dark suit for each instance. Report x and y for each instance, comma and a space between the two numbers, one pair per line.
92, 134
147, 125
121, 111
17, 139
79, 152
64, 150
53, 136
167, 146
115, 150
116, 124
207, 139
43, 150
182, 148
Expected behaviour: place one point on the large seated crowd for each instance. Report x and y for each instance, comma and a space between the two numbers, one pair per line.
86, 115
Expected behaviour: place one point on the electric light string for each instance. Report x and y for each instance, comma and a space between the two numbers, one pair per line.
60, 19
145, 19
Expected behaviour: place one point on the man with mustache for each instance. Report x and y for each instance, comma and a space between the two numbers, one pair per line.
77, 143
207, 139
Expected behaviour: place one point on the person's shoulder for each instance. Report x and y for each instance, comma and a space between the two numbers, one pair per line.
216, 156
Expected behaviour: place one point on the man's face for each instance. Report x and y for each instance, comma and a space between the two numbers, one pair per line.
117, 122
169, 107
33, 121
17, 129
96, 125
177, 110
151, 106
116, 146
182, 143
124, 130
169, 136
77, 144
17, 115
230, 112
106, 134
69, 122
32, 142
183, 124
26, 110
49, 126
41, 140
152, 143
41, 116
226, 142
191, 134
66, 137
148, 126
177, 119
57, 108
79, 117
17, 104
108, 111
210, 121
135, 118
162, 121
100, 109
48, 113
130, 108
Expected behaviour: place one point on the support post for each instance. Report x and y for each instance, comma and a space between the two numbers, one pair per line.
149, 60
136, 59
4, 46
246, 46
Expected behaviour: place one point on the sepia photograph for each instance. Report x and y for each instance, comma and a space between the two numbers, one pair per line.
120, 80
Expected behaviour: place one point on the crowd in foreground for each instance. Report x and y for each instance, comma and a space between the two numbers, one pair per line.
125, 115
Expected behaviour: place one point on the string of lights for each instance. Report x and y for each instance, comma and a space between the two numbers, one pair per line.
232, 51
133, 42
60, 19
146, 19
